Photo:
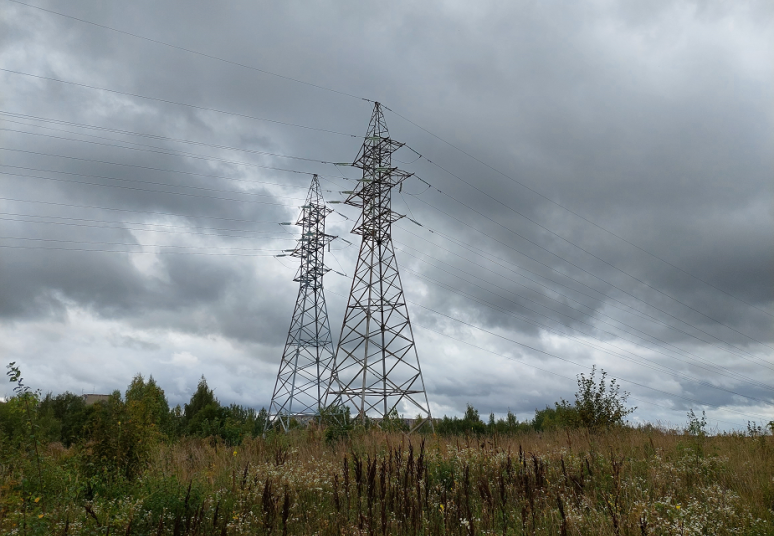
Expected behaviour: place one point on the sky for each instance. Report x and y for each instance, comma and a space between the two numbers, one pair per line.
594, 189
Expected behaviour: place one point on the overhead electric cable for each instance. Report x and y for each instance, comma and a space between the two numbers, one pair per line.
626, 307
695, 356
31, 239
158, 151
543, 196
98, 207
147, 190
509, 207
198, 53
167, 101
318, 86
136, 222
152, 136
521, 362
101, 225
203, 188
39, 153
578, 267
635, 359
83, 250
542, 369
529, 347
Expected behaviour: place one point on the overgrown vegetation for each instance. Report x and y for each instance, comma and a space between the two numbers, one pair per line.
132, 465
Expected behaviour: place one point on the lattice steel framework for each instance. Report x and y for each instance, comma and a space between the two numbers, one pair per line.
304, 372
376, 369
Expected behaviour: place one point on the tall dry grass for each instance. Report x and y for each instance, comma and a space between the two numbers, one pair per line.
627, 482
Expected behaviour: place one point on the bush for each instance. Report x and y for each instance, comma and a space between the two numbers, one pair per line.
470, 423
118, 445
337, 423
597, 405
64, 417
560, 416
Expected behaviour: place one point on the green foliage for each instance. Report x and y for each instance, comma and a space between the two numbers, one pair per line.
118, 445
469, 424
509, 425
696, 427
560, 416
168, 497
120, 478
392, 422
147, 405
203, 416
26, 407
597, 406
64, 416
337, 423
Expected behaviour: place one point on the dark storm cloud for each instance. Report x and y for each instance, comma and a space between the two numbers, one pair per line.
653, 123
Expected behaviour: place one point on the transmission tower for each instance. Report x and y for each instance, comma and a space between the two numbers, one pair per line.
376, 369
304, 371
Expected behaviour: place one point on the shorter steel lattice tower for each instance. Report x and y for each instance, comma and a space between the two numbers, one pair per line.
299, 392
376, 371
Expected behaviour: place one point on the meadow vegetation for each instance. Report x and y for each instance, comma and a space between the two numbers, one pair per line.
133, 465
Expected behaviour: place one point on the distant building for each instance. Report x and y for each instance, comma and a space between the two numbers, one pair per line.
92, 398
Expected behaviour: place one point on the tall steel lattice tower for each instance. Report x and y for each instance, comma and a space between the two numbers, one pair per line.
376, 369
304, 372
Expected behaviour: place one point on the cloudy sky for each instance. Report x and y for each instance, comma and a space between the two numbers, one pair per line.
600, 193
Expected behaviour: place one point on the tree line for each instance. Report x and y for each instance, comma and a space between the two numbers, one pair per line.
143, 415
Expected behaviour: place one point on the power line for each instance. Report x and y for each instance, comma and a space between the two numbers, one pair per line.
171, 153
147, 135
635, 359
628, 308
136, 165
468, 343
573, 300
127, 244
167, 101
140, 181
251, 231
317, 86
26, 168
543, 196
198, 53
176, 185
70, 205
472, 326
146, 190
574, 265
82, 250
602, 260
456, 291
581, 249
100, 224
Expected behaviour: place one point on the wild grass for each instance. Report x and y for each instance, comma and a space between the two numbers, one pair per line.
623, 482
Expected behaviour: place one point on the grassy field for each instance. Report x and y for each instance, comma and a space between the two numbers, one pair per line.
626, 481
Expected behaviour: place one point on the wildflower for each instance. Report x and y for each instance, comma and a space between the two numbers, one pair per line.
235, 453
41, 516
677, 506
37, 500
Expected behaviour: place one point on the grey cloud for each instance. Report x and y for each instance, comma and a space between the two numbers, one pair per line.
653, 123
